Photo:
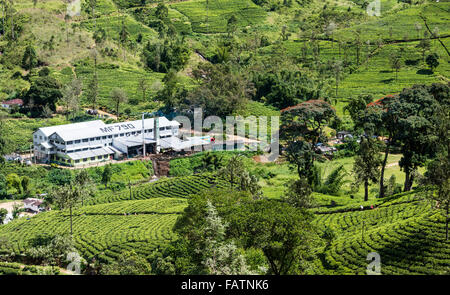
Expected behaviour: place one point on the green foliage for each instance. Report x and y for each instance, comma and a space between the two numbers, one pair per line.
432, 61
14, 182
332, 184
298, 194
302, 127
367, 165
221, 90
173, 92
3, 186
393, 188
29, 60
162, 57
236, 174
128, 263
284, 234
284, 88
60, 177
3, 213
221, 257
347, 149
196, 163
50, 250
106, 175
42, 96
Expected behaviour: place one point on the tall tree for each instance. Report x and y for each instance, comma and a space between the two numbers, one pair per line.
395, 62
302, 127
424, 46
71, 96
67, 197
118, 96
232, 171
67, 18
123, 36
84, 184
221, 90
231, 25
389, 118
437, 176
221, 257
161, 11
3, 142
432, 61
416, 108
298, 194
239, 178
284, 234
366, 165
43, 94
106, 175
29, 60
143, 86
92, 91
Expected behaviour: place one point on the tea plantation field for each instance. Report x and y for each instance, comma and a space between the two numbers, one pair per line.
214, 19
104, 231
404, 230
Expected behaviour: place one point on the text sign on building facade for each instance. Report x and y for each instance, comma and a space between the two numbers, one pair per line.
119, 127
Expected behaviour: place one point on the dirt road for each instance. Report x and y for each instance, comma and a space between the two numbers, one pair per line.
9, 205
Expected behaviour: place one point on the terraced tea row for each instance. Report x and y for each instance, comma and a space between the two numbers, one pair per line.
214, 17
103, 232
179, 187
415, 245
347, 223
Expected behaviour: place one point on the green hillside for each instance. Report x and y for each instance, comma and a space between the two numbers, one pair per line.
231, 57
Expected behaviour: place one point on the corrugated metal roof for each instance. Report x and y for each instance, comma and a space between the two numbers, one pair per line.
91, 153
47, 145
133, 140
82, 125
70, 132
177, 144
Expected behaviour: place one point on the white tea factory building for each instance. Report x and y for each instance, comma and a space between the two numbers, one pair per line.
94, 141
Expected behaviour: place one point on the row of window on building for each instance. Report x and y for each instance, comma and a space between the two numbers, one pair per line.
64, 160
105, 137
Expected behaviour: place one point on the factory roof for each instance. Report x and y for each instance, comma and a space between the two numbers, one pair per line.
98, 128
91, 153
